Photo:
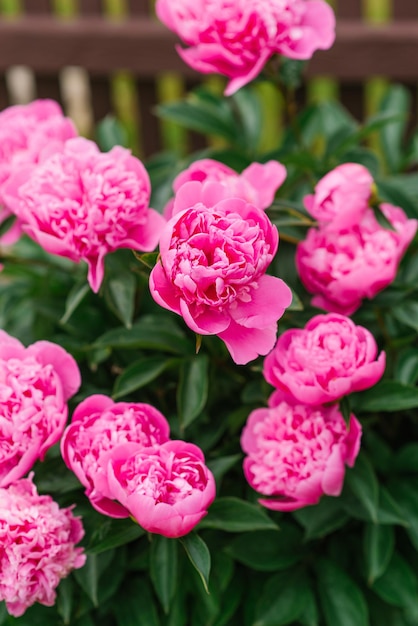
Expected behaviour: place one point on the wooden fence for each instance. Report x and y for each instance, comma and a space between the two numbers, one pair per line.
99, 48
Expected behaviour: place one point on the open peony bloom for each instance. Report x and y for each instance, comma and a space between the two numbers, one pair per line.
167, 489
341, 197
37, 546
236, 38
98, 425
82, 204
343, 267
214, 252
297, 453
35, 384
324, 361
257, 184
29, 133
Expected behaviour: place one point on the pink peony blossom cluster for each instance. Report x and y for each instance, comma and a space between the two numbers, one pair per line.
296, 453
350, 256
29, 134
257, 184
236, 38
298, 447
82, 204
214, 253
122, 454
38, 546
35, 384
327, 359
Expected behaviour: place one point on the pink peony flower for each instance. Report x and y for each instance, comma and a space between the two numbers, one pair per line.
341, 197
83, 204
297, 453
341, 268
215, 251
324, 361
167, 489
37, 546
35, 384
98, 425
236, 38
257, 184
28, 134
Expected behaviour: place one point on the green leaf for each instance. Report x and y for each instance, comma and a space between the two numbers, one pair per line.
135, 605
405, 493
222, 464
407, 314
394, 192
378, 545
250, 115
396, 101
193, 388
7, 224
163, 569
88, 578
140, 373
148, 334
268, 550
120, 292
406, 460
110, 133
362, 482
309, 615
283, 599
199, 555
398, 585
65, 599
386, 396
113, 534
406, 367
322, 519
74, 298
202, 116
342, 601
235, 515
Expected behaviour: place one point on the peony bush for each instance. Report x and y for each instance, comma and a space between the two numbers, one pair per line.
208, 361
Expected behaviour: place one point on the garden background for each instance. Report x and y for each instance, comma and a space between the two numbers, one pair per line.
348, 561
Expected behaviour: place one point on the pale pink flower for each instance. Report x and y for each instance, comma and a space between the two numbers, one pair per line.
35, 384
214, 252
236, 38
37, 541
297, 453
324, 361
29, 133
257, 184
98, 425
341, 197
343, 267
82, 204
167, 489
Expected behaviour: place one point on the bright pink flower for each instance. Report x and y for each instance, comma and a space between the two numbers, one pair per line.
28, 134
37, 541
82, 204
98, 425
341, 197
167, 489
215, 251
297, 453
35, 384
236, 38
341, 268
324, 361
257, 184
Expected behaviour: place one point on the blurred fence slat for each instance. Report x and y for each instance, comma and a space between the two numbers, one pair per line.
143, 50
